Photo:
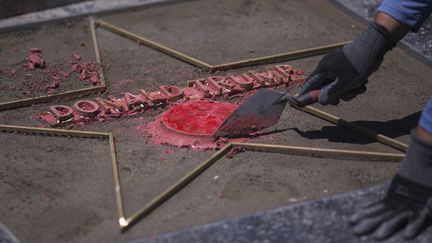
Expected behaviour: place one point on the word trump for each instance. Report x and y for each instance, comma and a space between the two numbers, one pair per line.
131, 103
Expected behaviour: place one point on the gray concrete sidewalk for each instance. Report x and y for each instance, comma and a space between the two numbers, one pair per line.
323, 220
71, 11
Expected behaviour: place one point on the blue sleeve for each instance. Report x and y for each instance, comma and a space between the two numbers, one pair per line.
409, 12
426, 117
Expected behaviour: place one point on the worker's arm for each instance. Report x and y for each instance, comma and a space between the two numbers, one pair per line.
412, 13
407, 205
408, 202
396, 29
344, 73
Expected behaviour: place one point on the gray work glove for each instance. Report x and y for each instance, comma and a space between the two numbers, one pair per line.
408, 203
344, 72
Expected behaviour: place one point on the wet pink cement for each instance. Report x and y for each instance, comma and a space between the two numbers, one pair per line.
160, 134
199, 118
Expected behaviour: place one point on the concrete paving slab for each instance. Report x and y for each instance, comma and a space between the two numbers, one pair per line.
6, 236
50, 198
226, 31
70, 11
323, 220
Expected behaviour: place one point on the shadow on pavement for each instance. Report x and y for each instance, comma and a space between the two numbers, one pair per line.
392, 128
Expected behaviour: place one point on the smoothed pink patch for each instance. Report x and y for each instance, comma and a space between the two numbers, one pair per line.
201, 118
191, 125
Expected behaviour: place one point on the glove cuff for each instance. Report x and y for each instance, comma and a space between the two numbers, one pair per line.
417, 164
410, 192
385, 33
366, 52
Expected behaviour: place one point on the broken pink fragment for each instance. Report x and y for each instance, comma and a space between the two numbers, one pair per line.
35, 61
83, 74
74, 67
87, 70
76, 56
47, 117
94, 79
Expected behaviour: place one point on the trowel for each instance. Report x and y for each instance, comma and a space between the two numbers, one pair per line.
262, 110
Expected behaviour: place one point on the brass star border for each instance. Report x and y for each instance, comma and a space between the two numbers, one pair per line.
286, 56
125, 222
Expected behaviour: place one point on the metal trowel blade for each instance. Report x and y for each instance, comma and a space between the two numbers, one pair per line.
262, 110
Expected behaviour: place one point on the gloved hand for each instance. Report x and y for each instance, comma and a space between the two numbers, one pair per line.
344, 72
408, 202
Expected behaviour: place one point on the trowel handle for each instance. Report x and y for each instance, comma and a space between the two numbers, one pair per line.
308, 98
